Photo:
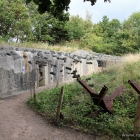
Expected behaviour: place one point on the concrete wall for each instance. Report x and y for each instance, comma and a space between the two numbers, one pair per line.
20, 66
15, 72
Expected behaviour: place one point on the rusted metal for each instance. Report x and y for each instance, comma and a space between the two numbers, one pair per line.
135, 86
106, 102
85, 85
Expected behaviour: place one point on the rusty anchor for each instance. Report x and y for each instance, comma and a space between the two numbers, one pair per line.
106, 102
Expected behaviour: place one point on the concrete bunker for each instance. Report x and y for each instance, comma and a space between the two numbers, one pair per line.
20, 67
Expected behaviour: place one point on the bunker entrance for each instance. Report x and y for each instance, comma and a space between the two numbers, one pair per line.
43, 75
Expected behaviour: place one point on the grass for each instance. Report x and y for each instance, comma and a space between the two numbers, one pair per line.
67, 47
77, 103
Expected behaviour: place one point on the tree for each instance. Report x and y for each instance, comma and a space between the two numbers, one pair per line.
46, 27
131, 26
22, 22
75, 27
14, 20
56, 7
133, 21
93, 42
78, 28
88, 25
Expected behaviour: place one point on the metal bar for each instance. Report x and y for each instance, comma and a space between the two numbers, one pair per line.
109, 99
95, 97
116, 92
85, 85
102, 94
137, 117
105, 102
135, 86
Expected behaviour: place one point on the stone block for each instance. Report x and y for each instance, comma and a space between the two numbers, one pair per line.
43, 79
68, 68
60, 71
50, 73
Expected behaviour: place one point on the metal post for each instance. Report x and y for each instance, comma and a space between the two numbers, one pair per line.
136, 87
137, 118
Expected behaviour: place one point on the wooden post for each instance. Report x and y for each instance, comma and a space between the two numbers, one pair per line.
59, 105
35, 99
137, 118
31, 89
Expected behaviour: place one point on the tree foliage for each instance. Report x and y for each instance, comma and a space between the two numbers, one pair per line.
14, 20
23, 22
75, 27
56, 7
113, 37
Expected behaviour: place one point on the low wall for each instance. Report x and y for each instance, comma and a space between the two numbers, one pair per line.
20, 66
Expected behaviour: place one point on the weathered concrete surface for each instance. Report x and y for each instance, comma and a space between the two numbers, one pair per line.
19, 67
15, 72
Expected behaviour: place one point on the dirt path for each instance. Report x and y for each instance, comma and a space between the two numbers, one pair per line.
18, 122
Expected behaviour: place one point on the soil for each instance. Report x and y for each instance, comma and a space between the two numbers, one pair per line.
19, 122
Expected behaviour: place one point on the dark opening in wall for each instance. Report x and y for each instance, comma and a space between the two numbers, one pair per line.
41, 76
101, 63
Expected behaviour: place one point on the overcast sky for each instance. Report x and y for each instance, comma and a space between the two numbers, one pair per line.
119, 9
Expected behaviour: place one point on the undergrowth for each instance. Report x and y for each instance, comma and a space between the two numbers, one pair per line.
77, 104
67, 47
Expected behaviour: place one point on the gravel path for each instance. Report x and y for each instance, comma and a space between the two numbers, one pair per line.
18, 122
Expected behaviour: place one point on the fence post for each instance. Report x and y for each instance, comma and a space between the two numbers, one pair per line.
59, 105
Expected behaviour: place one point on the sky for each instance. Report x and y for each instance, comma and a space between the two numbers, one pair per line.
118, 9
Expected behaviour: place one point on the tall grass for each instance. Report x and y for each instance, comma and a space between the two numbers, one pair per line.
67, 47
129, 58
